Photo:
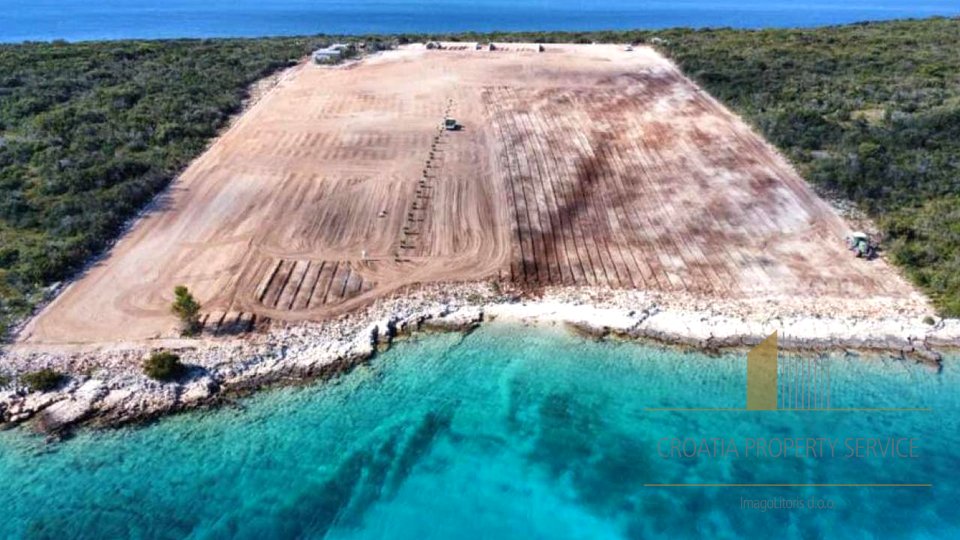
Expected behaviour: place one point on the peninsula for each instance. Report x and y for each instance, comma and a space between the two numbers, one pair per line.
435, 185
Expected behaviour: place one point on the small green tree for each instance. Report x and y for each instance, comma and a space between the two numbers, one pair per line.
164, 366
187, 309
44, 380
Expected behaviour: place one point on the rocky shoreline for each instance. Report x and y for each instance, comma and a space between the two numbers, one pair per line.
106, 386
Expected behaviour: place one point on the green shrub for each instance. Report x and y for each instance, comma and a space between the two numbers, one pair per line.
4, 380
164, 366
929, 320
187, 309
44, 380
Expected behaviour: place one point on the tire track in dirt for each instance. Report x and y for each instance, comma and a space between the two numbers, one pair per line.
581, 165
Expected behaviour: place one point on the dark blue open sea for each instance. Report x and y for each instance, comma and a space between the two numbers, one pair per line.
74, 20
510, 433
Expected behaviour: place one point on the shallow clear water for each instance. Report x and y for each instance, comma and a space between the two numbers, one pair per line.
510, 432
112, 19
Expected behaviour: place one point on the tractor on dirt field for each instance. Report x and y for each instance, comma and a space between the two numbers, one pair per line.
450, 124
861, 245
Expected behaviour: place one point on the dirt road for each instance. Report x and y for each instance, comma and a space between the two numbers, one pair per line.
586, 165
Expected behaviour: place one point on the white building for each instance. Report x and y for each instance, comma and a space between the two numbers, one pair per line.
330, 54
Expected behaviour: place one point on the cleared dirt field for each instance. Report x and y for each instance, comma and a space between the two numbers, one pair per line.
580, 165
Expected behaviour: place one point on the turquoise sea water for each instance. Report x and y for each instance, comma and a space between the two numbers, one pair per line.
507, 433
73, 20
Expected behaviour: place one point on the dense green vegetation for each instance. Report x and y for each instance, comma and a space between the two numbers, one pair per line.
164, 366
43, 380
868, 112
90, 132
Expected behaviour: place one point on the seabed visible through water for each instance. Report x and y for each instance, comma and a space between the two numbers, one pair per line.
509, 432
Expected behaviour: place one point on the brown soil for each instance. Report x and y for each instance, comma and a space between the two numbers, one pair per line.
581, 165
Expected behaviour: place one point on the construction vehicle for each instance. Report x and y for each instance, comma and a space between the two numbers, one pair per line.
861, 245
450, 124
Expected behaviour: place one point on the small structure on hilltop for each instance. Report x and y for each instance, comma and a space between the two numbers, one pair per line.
493, 47
332, 54
540, 47
434, 45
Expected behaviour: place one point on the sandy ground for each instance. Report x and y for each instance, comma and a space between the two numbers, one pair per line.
584, 165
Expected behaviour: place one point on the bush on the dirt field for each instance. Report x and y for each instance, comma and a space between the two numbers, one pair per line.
43, 380
187, 309
164, 366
